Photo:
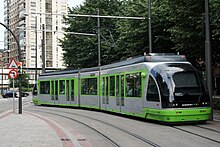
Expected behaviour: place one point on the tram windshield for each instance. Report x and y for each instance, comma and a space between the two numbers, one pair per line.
180, 86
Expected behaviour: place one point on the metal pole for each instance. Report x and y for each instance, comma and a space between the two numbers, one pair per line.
90, 16
208, 55
79, 85
36, 49
149, 26
13, 82
43, 49
19, 58
99, 55
2, 77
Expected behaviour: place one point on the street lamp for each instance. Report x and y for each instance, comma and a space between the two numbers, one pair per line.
19, 58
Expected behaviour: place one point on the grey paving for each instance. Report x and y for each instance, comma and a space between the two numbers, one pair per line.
25, 130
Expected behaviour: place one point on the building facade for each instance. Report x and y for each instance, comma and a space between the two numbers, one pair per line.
26, 18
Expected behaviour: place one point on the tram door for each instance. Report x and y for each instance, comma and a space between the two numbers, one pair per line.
70, 91
105, 92
52, 91
56, 91
119, 91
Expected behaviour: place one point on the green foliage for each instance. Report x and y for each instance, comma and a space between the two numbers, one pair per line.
215, 27
188, 32
81, 51
177, 26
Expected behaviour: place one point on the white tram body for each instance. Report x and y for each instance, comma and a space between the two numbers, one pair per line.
160, 87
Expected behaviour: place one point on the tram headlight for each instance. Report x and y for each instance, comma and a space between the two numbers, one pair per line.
170, 105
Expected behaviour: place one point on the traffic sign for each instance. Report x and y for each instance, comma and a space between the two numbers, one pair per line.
12, 64
13, 74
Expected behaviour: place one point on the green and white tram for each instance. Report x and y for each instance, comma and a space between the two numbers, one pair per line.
161, 87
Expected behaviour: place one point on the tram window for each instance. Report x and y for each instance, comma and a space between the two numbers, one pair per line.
62, 86
45, 87
103, 86
152, 91
72, 90
52, 90
185, 79
89, 86
112, 86
133, 85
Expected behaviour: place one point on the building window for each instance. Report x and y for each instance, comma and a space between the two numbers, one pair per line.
33, 4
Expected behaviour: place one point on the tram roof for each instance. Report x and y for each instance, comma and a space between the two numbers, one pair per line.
151, 57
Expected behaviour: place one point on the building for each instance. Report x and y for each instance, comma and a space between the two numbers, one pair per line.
26, 19
4, 81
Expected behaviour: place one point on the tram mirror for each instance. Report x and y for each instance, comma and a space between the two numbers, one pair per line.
143, 74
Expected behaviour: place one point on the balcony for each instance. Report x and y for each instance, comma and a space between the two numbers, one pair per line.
21, 2
22, 22
22, 15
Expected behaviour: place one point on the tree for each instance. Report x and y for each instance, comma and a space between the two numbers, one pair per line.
215, 28
187, 31
135, 33
177, 26
82, 51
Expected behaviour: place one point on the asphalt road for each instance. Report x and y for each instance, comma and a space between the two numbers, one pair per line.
92, 128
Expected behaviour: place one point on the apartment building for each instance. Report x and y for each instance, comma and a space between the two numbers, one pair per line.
26, 18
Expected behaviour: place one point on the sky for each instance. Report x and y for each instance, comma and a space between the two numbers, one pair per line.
71, 3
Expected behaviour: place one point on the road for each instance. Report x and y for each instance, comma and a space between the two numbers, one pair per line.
92, 128
7, 103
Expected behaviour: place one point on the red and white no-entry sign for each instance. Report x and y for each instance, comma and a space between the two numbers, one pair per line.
13, 74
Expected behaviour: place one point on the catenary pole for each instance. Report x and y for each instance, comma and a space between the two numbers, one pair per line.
149, 26
99, 55
208, 56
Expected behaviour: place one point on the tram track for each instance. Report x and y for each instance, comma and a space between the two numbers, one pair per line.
95, 130
207, 128
105, 123
196, 134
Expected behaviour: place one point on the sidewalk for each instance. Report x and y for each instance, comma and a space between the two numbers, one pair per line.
31, 130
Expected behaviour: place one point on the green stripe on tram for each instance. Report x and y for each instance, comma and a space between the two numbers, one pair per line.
178, 115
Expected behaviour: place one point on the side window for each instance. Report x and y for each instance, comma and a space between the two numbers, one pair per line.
72, 90
45, 87
152, 91
112, 86
62, 86
133, 85
103, 86
52, 90
89, 86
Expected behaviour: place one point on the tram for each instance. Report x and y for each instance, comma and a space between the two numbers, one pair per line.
162, 87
